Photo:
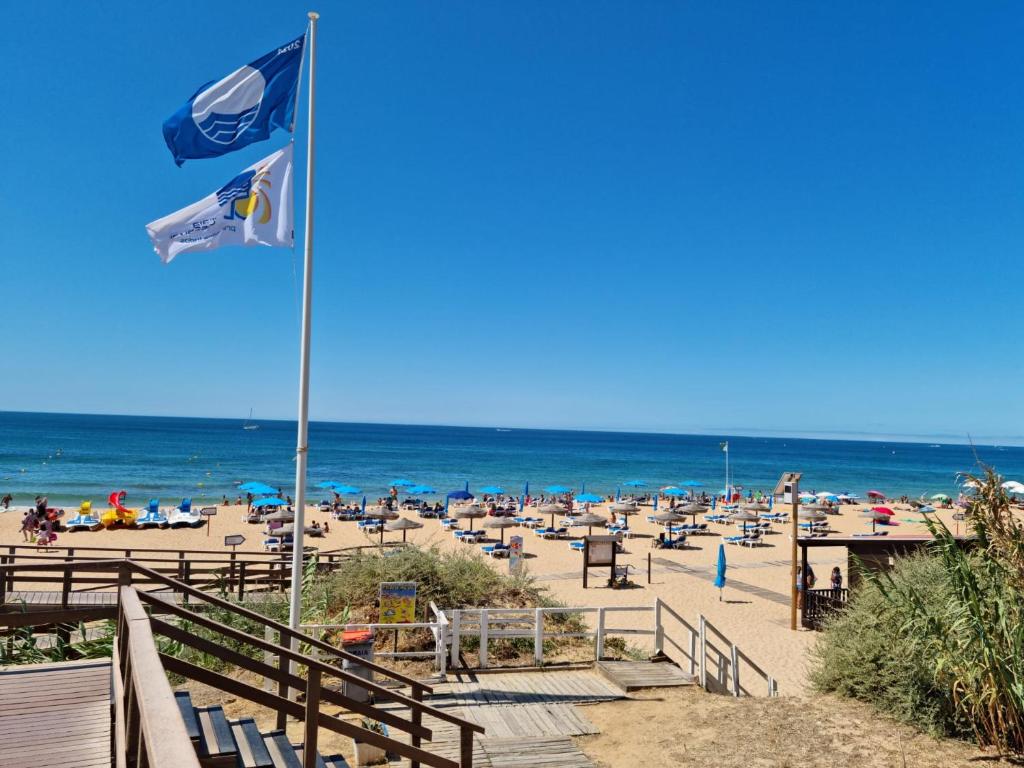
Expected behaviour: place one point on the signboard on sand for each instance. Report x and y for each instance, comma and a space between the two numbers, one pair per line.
515, 553
397, 602
234, 540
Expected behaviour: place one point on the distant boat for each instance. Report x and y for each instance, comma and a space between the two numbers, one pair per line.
249, 425
502, 430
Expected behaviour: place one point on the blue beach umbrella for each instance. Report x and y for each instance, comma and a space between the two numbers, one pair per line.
493, 490
655, 502
522, 499
346, 490
271, 501
557, 489
720, 573
460, 495
591, 498
257, 488
362, 509
675, 492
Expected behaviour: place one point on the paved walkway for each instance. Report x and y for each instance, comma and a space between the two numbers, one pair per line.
55, 714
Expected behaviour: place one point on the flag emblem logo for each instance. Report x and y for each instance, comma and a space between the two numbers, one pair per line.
229, 106
247, 193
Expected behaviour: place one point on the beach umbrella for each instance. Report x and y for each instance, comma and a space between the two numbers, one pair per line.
401, 483
286, 517
380, 513
589, 498
402, 524
551, 509
941, 497
667, 518
874, 516
257, 488
817, 507
460, 495
590, 520
655, 502
557, 489
624, 508
693, 510
493, 490
522, 499
340, 488
757, 507
327, 484
618, 493
810, 515
677, 492
876, 495
743, 516
271, 501
807, 496
470, 512
362, 508
883, 511
500, 523
823, 494
720, 571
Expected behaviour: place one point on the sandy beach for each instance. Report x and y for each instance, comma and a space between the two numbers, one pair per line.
754, 611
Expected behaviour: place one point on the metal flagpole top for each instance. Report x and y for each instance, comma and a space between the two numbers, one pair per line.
313, 15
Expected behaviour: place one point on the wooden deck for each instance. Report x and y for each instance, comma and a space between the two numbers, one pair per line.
55, 714
555, 687
634, 675
530, 720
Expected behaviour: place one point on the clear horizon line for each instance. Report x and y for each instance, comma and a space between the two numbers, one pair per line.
750, 432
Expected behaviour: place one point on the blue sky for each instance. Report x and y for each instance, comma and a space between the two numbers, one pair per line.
789, 217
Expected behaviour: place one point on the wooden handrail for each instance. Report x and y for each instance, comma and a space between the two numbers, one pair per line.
269, 555
148, 696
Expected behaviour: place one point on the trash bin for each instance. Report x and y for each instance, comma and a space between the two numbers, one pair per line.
358, 642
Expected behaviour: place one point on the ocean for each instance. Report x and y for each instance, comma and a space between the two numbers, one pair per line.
72, 457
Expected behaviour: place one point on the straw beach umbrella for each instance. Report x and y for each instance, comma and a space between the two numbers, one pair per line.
402, 524
693, 510
501, 523
590, 520
667, 518
551, 509
874, 516
380, 513
743, 516
283, 517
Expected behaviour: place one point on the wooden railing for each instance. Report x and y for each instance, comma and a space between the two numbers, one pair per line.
235, 572
721, 663
188, 607
819, 604
148, 729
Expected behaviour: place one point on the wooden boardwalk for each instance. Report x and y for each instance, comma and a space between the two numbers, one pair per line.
55, 714
555, 687
530, 720
633, 675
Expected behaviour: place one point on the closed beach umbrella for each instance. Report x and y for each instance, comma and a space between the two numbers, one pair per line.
500, 523
402, 524
720, 571
590, 520
744, 517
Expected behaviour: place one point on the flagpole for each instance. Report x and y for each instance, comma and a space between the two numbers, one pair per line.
301, 444
728, 490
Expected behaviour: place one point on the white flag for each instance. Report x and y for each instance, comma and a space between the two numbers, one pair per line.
254, 208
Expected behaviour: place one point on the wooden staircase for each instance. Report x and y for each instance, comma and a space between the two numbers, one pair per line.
223, 743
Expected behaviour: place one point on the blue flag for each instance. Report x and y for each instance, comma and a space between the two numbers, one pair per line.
237, 110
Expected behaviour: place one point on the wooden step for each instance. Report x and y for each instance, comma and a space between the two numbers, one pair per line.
282, 754
336, 761
216, 737
300, 749
188, 715
252, 751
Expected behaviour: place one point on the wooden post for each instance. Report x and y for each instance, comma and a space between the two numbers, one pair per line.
311, 726
703, 650
65, 592
417, 719
538, 637
599, 644
456, 637
241, 580
693, 652
659, 629
794, 513
465, 747
282, 687
648, 567
484, 627
802, 578
735, 670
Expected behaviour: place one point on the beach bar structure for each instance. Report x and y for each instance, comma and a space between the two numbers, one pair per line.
875, 553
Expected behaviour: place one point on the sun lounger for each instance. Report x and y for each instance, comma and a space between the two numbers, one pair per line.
496, 550
751, 541
576, 546
734, 539
449, 523
872, 533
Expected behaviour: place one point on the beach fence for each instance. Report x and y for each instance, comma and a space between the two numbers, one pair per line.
700, 649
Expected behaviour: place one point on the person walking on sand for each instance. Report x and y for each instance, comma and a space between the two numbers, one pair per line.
6, 501
28, 525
